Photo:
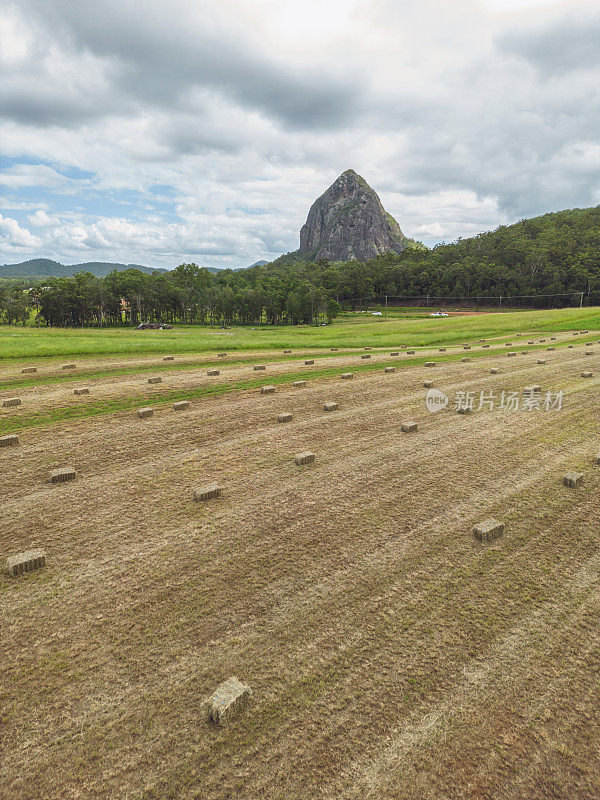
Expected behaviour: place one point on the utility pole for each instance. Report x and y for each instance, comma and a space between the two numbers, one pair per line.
385, 312
581, 300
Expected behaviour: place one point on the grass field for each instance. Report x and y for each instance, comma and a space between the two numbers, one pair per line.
352, 330
390, 654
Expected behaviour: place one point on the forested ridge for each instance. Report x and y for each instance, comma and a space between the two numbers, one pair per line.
537, 262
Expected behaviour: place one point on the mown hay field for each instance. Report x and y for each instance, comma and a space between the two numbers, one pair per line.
390, 653
350, 330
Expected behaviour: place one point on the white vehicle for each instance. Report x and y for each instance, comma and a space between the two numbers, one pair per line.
438, 314
376, 313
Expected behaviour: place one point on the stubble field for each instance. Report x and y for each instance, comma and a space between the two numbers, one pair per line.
390, 654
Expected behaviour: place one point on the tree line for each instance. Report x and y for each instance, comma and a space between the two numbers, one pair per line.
548, 259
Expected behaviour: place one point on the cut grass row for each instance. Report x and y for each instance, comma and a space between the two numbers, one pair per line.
17, 422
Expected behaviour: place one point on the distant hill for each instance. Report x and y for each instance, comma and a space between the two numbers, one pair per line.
45, 268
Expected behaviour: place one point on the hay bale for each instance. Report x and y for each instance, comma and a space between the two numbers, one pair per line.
430, 364
284, 417
267, 390
168, 358
368, 348
553, 338
395, 353
597, 459
488, 530
310, 362
569, 347
145, 412
221, 355
213, 372
10, 440
551, 348
29, 369
541, 361
494, 371
181, 405
390, 369
587, 374
365, 356
25, 562
299, 384
524, 352
410, 352
465, 359
62, 475
333, 349
542, 340
573, 479
330, 407
409, 427
11, 401
441, 349
484, 346
464, 410
258, 367
304, 458
155, 380
68, 366
287, 351
228, 699
589, 352
427, 384
207, 492
531, 342
511, 354
346, 376
81, 390
589, 344
508, 344
466, 346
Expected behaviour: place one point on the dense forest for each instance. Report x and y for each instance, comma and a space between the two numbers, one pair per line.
547, 261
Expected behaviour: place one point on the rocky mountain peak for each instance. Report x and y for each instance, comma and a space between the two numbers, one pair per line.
349, 222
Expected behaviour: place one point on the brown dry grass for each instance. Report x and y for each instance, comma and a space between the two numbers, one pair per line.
390, 654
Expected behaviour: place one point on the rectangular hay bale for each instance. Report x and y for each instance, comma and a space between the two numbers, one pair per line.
427, 384
207, 492
81, 390
346, 376
68, 366
26, 562
62, 475
228, 699
365, 355
309, 362
168, 358
299, 384
11, 401
395, 353
221, 355
488, 530
287, 417
304, 458
573, 479
10, 440
390, 369
155, 380
410, 352
267, 389
145, 412
330, 407
213, 373
29, 369
181, 405
587, 374
258, 367
431, 363
409, 427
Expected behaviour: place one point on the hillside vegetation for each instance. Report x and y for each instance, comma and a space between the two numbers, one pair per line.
548, 261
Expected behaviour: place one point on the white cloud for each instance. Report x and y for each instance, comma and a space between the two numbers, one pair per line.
462, 115
12, 235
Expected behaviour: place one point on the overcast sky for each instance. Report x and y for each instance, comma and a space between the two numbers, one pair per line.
158, 132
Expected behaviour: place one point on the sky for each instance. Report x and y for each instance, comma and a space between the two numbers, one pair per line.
157, 133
